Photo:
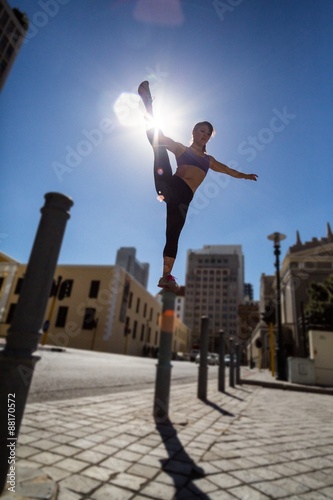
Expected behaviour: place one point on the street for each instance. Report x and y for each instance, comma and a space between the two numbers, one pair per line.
75, 373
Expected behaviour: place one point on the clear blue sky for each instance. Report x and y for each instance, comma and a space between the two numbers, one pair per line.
261, 71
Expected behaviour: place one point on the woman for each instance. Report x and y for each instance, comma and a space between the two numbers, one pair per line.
177, 189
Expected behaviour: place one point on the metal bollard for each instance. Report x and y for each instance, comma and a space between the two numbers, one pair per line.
221, 374
238, 363
203, 366
232, 364
163, 367
16, 360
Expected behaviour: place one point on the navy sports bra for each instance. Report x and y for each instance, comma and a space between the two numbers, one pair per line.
190, 158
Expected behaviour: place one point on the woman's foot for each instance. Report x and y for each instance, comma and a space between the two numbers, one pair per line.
144, 93
169, 282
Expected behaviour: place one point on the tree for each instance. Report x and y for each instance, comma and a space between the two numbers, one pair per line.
319, 309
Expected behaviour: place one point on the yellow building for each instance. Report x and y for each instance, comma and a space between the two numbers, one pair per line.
99, 308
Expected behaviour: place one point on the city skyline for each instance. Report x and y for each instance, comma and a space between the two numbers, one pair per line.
71, 123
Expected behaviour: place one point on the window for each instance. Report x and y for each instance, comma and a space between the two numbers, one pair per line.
1, 282
18, 286
130, 300
142, 336
89, 321
94, 287
137, 305
61, 316
10, 314
135, 327
145, 310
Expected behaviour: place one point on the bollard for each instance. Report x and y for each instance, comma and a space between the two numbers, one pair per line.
203, 366
238, 363
16, 360
221, 375
163, 367
232, 364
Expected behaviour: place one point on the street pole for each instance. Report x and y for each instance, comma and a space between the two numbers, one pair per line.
280, 358
203, 366
221, 375
17, 361
163, 367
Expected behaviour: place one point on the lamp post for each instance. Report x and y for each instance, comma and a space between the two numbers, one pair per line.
280, 359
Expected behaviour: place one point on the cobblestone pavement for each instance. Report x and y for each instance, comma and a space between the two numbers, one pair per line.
249, 443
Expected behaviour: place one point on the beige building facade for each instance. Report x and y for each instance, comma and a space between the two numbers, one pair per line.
101, 308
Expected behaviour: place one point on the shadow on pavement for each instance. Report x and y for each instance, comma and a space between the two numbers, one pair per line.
233, 396
179, 465
218, 408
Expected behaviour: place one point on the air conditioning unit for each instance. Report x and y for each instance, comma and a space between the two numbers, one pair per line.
301, 371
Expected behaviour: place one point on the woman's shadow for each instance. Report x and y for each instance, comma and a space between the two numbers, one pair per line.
179, 465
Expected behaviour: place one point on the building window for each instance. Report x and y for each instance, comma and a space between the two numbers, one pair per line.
89, 320
130, 300
142, 336
10, 314
127, 330
135, 327
1, 282
145, 310
61, 316
18, 286
137, 305
94, 288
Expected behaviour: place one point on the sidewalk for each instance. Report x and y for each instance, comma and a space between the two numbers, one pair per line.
252, 442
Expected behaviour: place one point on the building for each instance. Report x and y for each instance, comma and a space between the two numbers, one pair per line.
126, 258
303, 264
214, 288
101, 308
13, 27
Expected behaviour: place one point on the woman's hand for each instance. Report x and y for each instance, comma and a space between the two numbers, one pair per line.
251, 177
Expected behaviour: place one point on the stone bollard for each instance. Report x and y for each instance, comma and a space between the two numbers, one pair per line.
163, 367
203, 366
17, 361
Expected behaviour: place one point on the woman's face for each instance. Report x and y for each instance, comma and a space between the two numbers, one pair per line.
201, 134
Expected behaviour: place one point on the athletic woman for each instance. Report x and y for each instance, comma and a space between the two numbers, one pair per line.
177, 189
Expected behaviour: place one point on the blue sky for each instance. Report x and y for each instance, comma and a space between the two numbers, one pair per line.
261, 71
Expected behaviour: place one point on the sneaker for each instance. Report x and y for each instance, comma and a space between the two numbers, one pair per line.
169, 281
144, 93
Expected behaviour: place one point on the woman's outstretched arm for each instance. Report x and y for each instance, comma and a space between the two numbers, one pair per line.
224, 169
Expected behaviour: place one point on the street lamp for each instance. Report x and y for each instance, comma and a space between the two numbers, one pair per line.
280, 359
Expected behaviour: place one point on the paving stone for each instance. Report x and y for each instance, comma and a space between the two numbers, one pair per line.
128, 481
97, 472
158, 491
143, 471
65, 449
90, 456
116, 464
246, 492
47, 458
79, 483
110, 491
72, 464
223, 480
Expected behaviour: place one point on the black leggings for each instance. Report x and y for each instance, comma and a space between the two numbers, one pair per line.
177, 195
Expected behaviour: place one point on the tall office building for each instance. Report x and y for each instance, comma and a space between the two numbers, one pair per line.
214, 288
126, 258
13, 28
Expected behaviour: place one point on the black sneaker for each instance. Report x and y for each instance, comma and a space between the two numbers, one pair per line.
144, 93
